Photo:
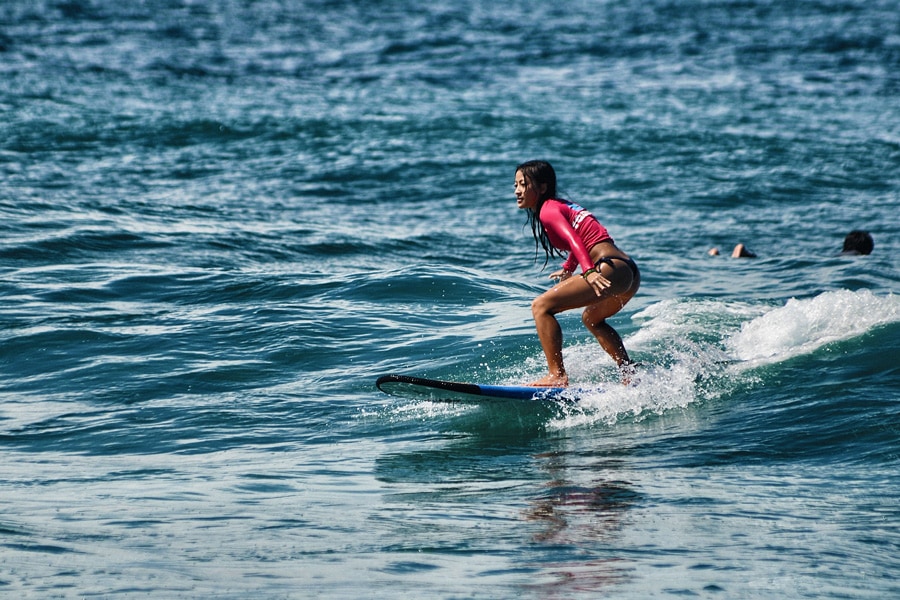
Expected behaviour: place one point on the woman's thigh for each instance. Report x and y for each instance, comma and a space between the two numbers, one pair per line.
575, 292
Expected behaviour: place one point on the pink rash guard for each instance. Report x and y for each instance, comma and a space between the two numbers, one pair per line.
572, 229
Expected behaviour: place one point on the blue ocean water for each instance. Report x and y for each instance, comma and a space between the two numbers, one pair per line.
222, 220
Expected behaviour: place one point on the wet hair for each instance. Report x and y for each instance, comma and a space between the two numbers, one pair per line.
858, 242
539, 173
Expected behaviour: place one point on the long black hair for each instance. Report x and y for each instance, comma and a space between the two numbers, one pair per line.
539, 173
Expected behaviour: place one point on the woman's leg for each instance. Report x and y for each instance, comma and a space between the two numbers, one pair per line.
571, 293
575, 292
594, 318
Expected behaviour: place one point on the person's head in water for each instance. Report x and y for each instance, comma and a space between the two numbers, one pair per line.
858, 242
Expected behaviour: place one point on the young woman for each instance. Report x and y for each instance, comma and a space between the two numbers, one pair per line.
609, 277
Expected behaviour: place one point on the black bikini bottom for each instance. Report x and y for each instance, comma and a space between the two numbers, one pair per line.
608, 260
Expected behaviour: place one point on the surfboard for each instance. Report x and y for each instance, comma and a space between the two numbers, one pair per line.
407, 386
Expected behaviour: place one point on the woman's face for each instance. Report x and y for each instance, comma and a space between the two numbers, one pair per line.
526, 195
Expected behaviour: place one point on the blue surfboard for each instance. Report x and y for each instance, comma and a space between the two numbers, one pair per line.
437, 390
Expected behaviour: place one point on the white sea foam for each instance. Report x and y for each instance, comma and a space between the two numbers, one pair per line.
698, 350
804, 325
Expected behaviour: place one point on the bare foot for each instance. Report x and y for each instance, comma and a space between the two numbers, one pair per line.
628, 371
551, 381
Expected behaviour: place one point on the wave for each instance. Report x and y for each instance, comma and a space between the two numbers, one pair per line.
805, 325
700, 350
694, 352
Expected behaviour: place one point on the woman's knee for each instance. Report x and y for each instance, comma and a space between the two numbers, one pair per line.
591, 321
539, 306
595, 315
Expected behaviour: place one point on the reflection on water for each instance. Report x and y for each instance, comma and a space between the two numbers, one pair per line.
566, 505
564, 509
581, 520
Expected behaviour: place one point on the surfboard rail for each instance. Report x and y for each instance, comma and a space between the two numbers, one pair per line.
409, 386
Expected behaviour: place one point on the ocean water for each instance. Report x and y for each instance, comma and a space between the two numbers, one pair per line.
222, 220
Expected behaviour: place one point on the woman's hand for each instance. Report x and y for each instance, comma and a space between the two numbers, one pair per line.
560, 275
597, 281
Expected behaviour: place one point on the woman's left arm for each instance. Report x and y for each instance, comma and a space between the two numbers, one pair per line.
554, 219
